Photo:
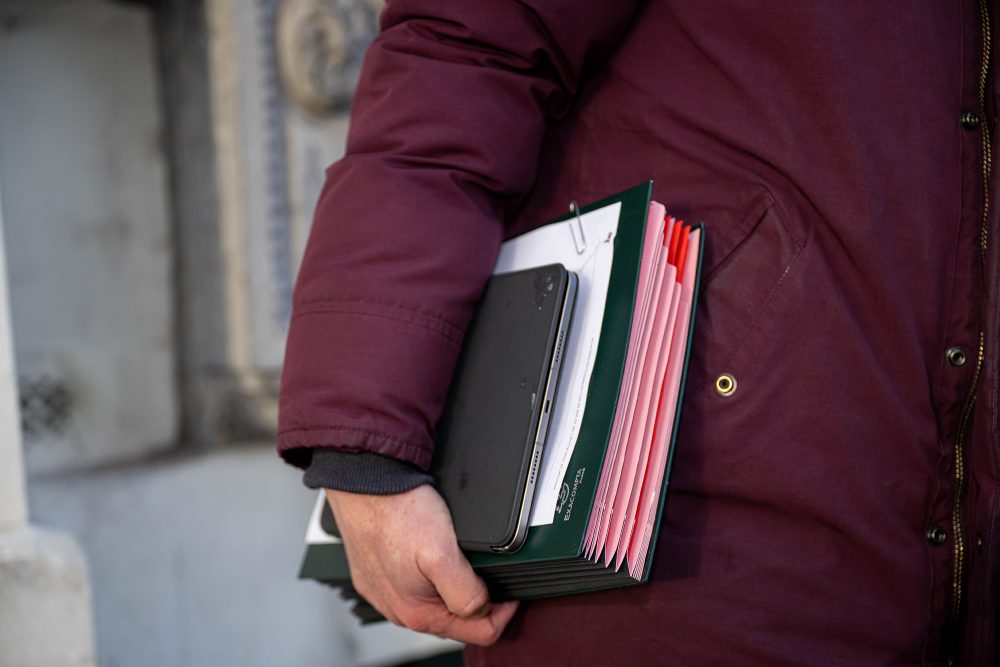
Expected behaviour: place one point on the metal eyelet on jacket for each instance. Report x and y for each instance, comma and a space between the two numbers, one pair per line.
725, 384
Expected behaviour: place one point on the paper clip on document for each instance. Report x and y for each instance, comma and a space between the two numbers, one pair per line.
576, 229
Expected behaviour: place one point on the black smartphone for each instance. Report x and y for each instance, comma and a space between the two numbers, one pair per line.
492, 434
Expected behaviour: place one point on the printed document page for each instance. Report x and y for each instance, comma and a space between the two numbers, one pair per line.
560, 243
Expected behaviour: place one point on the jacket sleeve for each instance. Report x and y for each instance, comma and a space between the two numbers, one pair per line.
445, 133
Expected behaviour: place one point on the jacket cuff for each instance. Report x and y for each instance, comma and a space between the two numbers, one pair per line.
366, 377
362, 472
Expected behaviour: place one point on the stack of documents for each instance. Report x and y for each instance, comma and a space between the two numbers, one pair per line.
603, 479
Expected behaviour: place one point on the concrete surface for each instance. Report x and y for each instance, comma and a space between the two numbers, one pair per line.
194, 562
44, 601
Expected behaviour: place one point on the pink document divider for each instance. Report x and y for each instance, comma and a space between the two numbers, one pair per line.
665, 345
651, 250
637, 445
649, 253
663, 431
619, 430
652, 246
628, 455
614, 461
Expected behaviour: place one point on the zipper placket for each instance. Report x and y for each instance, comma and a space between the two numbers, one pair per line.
958, 525
984, 126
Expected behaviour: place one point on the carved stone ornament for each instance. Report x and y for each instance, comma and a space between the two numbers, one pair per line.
320, 46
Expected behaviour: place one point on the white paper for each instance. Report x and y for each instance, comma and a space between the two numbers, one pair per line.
549, 245
314, 532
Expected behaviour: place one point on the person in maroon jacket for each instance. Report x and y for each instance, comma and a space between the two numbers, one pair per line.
841, 506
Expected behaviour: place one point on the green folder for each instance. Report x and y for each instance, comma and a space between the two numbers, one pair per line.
552, 562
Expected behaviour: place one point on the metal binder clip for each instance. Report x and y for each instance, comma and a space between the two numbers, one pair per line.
576, 229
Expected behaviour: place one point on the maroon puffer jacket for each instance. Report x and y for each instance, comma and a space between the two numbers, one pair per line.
841, 508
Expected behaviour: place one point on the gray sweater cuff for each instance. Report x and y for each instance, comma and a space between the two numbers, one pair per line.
362, 472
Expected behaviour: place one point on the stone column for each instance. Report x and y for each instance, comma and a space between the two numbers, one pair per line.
13, 506
45, 616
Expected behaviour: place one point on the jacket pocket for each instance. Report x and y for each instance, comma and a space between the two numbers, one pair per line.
744, 276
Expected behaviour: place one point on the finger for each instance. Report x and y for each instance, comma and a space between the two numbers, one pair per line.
462, 591
482, 631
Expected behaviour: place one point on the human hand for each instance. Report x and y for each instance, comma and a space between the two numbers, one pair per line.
405, 561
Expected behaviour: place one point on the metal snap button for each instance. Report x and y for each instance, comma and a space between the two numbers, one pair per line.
956, 356
936, 535
970, 120
725, 384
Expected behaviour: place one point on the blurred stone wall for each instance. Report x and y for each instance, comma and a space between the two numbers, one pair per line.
257, 94
88, 232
